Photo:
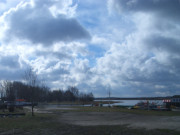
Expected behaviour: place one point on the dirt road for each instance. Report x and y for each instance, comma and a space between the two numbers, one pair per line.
120, 118
113, 118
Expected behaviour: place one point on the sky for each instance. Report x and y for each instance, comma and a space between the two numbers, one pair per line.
130, 47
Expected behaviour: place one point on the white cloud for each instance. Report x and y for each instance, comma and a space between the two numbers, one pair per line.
160, 86
148, 54
63, 7
134, 48
34, 22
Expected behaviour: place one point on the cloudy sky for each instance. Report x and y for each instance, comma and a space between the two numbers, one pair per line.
131, 47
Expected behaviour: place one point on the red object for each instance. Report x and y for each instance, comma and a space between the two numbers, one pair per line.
20, 100
167, 101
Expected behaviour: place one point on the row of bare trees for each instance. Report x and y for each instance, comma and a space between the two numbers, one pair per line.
10, 91
17, 90
71, 94
33, 92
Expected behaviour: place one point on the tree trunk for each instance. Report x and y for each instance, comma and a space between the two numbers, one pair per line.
32, 109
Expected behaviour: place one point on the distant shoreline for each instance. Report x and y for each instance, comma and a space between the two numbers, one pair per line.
81, 103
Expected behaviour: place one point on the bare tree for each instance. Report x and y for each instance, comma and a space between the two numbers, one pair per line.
7, 90
2, 90
31, 80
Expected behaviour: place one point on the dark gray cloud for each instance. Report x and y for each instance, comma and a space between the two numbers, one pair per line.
11, 74
164, 8
57, 74
11, 61
38, 25
59, 55
162, 43
10, 67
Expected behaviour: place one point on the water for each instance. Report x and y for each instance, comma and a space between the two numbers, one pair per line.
131, 102
119, 103
127, 102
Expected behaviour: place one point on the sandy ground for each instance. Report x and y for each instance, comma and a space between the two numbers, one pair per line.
119, 118
113, 118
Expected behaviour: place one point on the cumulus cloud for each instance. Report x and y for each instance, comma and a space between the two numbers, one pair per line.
11, 67
162, 8
35, 22
10, 61
7, 4
149, 56
58, 63
134, 50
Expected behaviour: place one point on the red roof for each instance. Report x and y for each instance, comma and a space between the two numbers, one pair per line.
20, 100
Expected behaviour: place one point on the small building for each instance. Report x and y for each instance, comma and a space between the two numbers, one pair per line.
175, 100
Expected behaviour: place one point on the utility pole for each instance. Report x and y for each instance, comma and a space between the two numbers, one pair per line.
109, 94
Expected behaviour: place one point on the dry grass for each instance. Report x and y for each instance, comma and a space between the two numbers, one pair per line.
119, 109
46, 124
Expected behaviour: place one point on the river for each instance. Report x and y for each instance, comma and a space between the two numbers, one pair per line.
131, 102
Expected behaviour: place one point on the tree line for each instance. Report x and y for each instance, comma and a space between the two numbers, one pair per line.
10, 91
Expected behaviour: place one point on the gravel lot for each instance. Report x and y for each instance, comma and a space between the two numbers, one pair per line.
120, 118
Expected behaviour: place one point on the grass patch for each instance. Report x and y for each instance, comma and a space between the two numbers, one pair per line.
27, 121
16, 110
119, 109
46, 124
